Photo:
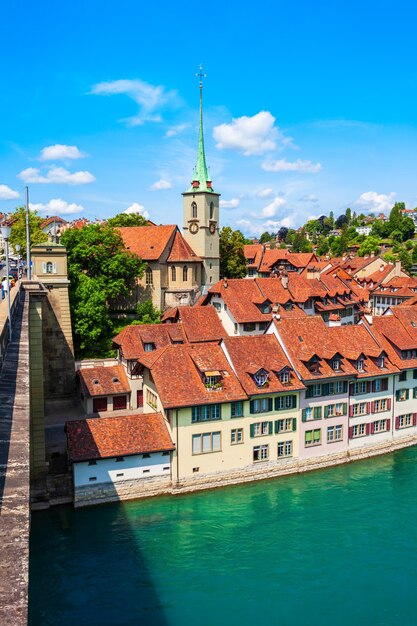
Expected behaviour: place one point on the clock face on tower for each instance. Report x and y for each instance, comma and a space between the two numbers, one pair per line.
212, 228
193, 228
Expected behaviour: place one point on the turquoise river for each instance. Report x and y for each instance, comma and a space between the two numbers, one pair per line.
338, 546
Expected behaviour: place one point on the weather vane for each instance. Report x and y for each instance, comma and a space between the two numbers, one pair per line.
200, 75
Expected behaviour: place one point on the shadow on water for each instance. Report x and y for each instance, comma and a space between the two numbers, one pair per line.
108, 583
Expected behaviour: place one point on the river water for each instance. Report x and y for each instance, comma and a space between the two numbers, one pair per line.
337, 546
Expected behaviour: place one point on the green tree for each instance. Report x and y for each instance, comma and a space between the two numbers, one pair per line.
232, 256
100, 271
406, 260
127, 219
301, 243
409, 244
348, 215
371, 244
323, 246
407, 228
18, 232
414, 254
147, 313
395, 216
265, 237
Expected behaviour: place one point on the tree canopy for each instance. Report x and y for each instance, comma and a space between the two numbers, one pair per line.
18, 232
147, 313
232, 257
127, 219
100, 271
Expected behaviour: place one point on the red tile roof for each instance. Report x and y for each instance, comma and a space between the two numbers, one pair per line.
251, 354
201, 324
103, 381
148, 242
178, 372
181, 251
253, 251
297, 259
132, 339
398, 332
49, 220
106, 437
398, 286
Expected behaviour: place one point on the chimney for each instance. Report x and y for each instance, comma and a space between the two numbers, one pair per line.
284, 280
225, 283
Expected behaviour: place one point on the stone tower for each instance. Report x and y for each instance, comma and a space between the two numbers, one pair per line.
201, 212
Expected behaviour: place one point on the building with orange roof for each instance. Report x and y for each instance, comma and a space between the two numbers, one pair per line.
392, 292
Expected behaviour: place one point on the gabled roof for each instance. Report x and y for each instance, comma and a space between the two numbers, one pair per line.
201, 324
398, 332
178, 372
103, 380
297, 259
181, 251
50, 220
251, 354
398, 286
148, 242
253, 251
132, 339
108, 437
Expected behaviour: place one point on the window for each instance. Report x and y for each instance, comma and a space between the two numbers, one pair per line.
206, 412
260, 429
401, 395
285, 425
211, 210
334, 433
316, 390
262, 325
120, 459
312, 437
92, 462
284, 377
285, 402
333, 410
99, 404
261, 377
173, 273
402, 377
49, 267
151, 398
359, 387
261, 405
148, 276
380, 405
212, 381
236, 409
307, 414
380, 426
194, 210
119, 403
360, 365
381, 362
206, 442
217, 306
236, 436
359, 409
249, 327
377, 384
284, 448
92, 478
359, 430
185, 273
148, 347
405, 421
261, 453
336, 365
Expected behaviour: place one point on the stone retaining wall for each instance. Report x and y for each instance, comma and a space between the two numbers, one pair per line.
122, 490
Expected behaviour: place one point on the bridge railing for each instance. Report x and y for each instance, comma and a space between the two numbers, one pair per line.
4, 322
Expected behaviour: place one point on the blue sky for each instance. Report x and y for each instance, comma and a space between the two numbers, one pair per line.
308, 107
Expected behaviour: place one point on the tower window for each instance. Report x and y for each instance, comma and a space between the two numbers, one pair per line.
194, 209
173, 273
211, 210
49, 267
149, 277
185, 273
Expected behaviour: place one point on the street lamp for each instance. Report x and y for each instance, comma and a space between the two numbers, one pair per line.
17, 248
5, 231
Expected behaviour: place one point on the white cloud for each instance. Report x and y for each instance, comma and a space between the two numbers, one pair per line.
269, 225
265, 193
60, 151
271, 209
230, 204
309, 198
176, 130
137, 208
282, 165
56, 206
57, 175
150, 98
250, 135
375, 202
6, 193
160, 184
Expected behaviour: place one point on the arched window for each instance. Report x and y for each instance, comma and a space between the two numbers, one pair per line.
185, 273
49, 267
173, 273
149, 277
194, 210
211, 210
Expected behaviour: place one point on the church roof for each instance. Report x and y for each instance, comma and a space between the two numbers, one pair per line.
148, 242
181, 251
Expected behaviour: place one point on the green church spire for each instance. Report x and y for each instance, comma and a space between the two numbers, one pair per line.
201, 180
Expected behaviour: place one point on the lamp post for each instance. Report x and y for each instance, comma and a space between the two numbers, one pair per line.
5, 231
17, 248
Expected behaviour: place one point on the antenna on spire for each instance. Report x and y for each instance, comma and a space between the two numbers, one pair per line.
200, 75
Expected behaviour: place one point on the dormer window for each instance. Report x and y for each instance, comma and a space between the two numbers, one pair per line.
95, 381
336, 365
115, 380
284, 377
360, 365
213, 380
148, 347
261, 377
381, 362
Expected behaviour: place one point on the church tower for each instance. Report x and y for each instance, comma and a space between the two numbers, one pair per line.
201, 211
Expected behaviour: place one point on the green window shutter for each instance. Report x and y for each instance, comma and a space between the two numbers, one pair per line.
309, 392
325, 389
345, 386
252, 430
309, 436
304, 415
326, 411
407, 393
276, 427
317, 412
294, 424
269, 404
270, 427
294, 402
344, 408
252, 405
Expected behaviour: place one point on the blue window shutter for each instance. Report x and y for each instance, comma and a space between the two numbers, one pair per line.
252, 430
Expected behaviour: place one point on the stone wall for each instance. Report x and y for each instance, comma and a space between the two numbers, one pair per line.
122, 490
